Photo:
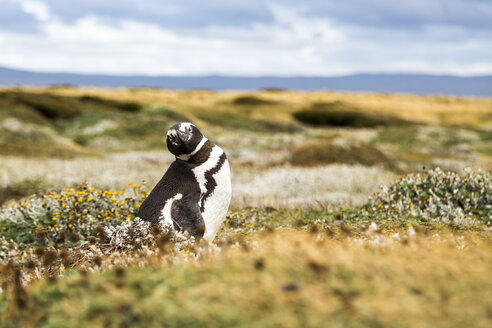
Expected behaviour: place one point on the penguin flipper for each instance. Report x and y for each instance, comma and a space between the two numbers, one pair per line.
186, 215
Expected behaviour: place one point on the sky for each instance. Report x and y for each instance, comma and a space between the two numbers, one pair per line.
247, 37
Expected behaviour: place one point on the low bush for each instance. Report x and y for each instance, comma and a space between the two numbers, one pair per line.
68, 217
435, 195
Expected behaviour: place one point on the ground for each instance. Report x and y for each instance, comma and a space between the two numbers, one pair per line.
347, 210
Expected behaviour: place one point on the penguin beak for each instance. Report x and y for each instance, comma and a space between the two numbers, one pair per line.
183, 135
173, 137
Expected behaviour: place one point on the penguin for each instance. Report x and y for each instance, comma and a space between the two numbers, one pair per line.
195, 192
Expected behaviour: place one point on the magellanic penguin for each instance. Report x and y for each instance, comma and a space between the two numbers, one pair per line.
194, 193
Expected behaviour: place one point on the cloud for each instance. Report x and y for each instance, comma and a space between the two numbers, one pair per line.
177, 14
247, 37
14, 18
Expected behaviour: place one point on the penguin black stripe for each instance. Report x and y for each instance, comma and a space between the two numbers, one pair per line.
210, 183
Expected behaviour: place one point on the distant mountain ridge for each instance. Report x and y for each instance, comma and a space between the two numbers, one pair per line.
480, 86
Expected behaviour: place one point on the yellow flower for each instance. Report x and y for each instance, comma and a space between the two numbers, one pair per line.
414, 186
70, 225
137, 206
90, 199
64, 205
62, 270
54, 218
108, 218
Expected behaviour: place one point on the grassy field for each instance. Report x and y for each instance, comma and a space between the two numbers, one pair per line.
334, 220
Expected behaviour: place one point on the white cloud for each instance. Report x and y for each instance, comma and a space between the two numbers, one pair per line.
292, 45
36, 8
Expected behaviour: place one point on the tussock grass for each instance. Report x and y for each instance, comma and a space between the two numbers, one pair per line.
287, 279
339, 150
344, 115
22, 188
252, 101
363, 266
427, 109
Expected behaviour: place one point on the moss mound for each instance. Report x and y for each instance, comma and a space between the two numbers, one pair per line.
339, 150
344, 115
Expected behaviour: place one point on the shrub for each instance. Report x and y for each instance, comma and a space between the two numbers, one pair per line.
435, 195
51, 219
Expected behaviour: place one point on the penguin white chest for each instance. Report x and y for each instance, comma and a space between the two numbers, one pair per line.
214, 180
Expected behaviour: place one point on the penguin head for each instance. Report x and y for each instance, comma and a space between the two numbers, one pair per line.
184, 140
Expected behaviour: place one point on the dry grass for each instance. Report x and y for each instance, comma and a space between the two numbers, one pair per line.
285, 186
282, 186
430, 109
285, 279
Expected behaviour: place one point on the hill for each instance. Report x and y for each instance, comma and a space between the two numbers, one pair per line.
480, 86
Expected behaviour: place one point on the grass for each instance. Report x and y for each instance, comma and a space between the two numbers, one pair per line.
285, 267
339, 150
68, 122
344, 115
292, 279
301, 245
23, 188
